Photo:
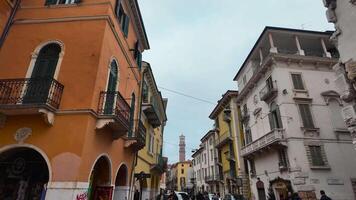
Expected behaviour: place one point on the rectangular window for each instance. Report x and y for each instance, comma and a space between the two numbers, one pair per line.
205, 158
269, 83
216, 123
211, 155
57, 2
298, 82
252, 167
244, 79
182, 171
248, 136
316, 156
212, 170
305, 113
151, 143
283, 162
206, 172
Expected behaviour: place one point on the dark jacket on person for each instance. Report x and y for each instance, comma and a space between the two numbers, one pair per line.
324, 197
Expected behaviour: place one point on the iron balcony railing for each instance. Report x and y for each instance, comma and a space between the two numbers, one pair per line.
276, 135
213, 178
141, 134
31, 92
268, 91
113, 104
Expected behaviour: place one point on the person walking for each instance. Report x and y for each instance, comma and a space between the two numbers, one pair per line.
323, 196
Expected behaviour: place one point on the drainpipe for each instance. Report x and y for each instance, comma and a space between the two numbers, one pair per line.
9, 22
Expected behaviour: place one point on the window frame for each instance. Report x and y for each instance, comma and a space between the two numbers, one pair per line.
301, 79
309, 106
322, 155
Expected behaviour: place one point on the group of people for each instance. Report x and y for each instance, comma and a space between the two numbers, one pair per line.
205, 196
295, 196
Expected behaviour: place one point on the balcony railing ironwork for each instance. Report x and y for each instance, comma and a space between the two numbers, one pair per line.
268, 91
30, 92
273, 137
213, 178
114, 105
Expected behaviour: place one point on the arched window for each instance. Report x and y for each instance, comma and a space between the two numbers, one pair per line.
275, 116
111, 88
47, 60
42, 74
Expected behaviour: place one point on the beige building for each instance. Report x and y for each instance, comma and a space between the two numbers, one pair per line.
342, 14
295, 137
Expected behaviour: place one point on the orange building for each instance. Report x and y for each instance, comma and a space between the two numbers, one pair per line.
70, 99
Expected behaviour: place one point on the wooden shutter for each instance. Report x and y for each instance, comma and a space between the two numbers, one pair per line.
317, 158
50, 2
117, 8
297, 82
306, 115
126, 25
271, 121
279, 118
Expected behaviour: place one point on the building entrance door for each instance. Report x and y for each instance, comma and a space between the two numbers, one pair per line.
23, 174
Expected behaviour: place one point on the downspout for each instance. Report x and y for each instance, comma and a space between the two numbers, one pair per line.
9, 22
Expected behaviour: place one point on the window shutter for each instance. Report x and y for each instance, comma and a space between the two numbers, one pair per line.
139, 60
50, 2
117, 8
271, 121
306, 116
297, 82
317, 158
279, 118
126, 25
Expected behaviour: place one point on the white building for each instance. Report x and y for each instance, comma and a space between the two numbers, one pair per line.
342, 14
295, 137
204, 166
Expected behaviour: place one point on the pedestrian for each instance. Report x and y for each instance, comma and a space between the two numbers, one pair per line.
136, 195
323, 196
199, 196
295, 196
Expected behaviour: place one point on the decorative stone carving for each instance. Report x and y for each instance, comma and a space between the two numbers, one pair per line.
350, 68
335, 181
299, 181
331, 94
48, 116
301, 175
22, 134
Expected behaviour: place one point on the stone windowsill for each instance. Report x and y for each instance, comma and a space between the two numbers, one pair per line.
326, 167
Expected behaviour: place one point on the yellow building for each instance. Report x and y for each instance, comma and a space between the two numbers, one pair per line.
150, 162
229, 138
182, 173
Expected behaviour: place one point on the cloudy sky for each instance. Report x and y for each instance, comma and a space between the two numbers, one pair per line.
197, 46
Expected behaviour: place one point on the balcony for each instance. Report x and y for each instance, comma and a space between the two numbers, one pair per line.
114, 112
269, 91
213, 179
136, 140
223, 139
30, 96
271, 139
151, 110
160, 166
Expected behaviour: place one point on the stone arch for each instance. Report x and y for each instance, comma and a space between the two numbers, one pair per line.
122, 183
24, 173
100, 178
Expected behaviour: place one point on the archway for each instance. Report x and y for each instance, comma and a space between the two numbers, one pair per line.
121, 184
24, 174
100, 180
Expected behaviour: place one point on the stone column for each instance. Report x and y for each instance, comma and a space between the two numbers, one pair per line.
271, 42
300, 50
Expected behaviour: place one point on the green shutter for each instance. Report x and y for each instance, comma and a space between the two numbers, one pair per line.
126, 25
279, 118
306, 115
50, 2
